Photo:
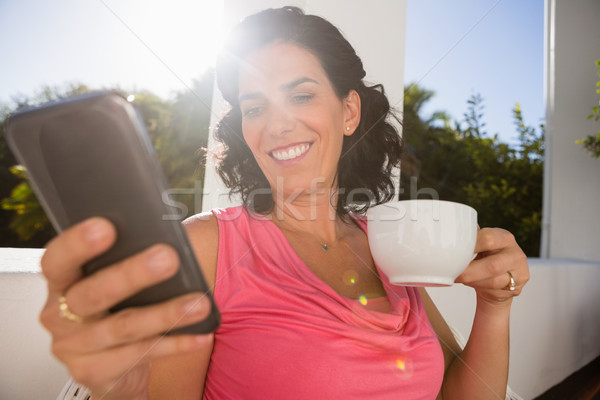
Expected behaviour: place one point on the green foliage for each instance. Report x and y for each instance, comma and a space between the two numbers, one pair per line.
29, 217
464, 164
22, 222
461, 162
474, 116
592, 143
178, 129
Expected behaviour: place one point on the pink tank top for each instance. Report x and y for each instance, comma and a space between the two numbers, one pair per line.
286, 334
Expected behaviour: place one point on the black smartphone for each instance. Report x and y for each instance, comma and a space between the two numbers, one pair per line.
90, 155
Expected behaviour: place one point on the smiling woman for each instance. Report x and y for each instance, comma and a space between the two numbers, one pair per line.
306, 313
148, 45
303, 78
285, 93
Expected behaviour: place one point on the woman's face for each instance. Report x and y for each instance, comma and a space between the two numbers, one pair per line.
292, 119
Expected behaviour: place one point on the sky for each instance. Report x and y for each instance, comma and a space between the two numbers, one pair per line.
494, 48
133, 44
455, 48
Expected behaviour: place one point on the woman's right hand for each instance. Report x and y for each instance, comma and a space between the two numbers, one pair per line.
111, 353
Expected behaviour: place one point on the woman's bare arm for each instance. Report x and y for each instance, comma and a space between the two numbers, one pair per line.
480, 370
182, 376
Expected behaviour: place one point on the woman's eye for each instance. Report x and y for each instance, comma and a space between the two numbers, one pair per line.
252, 111
302, 98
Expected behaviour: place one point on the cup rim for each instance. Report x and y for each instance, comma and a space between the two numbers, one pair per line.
393, 202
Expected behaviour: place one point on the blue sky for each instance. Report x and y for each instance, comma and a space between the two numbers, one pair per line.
134, 44
456, 48
494, 48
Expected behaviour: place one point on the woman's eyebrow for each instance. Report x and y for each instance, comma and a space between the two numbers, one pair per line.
294, 83
249, 96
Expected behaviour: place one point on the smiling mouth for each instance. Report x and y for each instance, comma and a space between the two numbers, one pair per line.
291, 152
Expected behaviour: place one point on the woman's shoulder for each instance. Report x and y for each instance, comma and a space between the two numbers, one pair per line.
207, 222
359, 219
203, 233
204, 223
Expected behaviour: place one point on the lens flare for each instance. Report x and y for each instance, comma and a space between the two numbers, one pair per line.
403, 367
350, 277
363, 299
401, 364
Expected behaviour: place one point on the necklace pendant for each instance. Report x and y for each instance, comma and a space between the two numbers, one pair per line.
324, 247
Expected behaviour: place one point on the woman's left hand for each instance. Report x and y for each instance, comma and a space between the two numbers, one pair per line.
499, 256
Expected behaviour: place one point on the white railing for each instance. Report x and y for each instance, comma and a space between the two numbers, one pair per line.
555, 325
555, 322
27, 368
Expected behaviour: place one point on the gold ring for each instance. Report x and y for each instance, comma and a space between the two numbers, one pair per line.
65, 312
511, 283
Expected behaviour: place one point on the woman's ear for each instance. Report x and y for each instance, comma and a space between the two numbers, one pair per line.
351, 112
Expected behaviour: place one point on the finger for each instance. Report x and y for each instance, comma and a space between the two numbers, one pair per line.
89, 369
498, 282
493, 265
495, 289
109, 286
491, 239
65, 254
135, 324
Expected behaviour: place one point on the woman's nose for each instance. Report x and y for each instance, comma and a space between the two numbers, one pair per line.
280, 121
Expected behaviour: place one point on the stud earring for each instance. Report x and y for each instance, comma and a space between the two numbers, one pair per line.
348, 128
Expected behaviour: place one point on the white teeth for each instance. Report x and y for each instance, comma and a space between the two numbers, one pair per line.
291, 153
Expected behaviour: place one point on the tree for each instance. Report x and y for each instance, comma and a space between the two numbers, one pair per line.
474, 117
22, 221
464, 164
178, 130
592, 143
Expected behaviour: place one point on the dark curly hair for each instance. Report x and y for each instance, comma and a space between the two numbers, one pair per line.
364, 173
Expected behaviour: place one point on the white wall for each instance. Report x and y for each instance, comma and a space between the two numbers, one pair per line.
572, 182
27, 368
376, 29
554, 323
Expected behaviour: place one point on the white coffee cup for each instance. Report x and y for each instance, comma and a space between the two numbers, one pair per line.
422, 242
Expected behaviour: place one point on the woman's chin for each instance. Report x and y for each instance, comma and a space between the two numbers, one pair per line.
292, 188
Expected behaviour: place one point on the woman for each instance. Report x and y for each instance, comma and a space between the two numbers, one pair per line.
305, 311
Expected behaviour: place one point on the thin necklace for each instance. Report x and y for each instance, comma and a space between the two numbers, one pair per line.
324, 246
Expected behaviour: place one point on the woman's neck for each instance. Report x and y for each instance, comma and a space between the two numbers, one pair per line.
308, 213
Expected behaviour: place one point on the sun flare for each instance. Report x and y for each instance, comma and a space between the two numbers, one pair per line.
175, 41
